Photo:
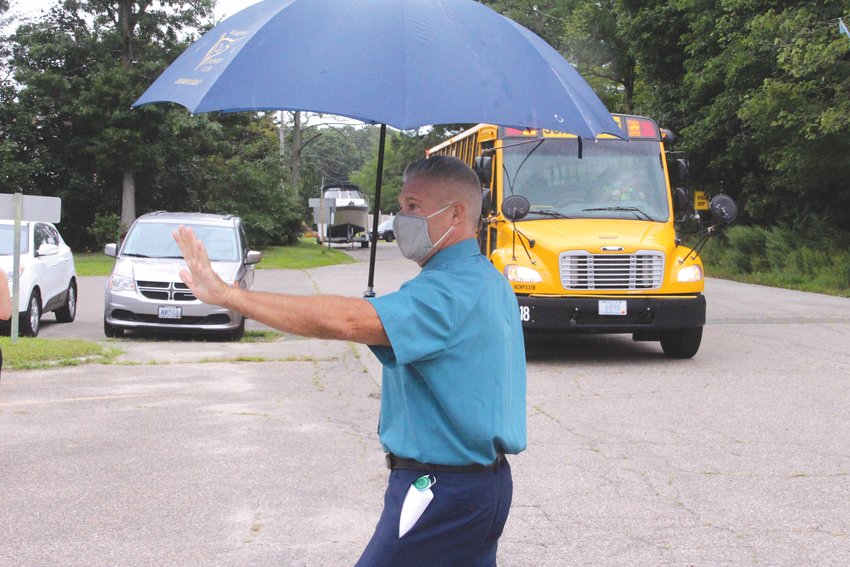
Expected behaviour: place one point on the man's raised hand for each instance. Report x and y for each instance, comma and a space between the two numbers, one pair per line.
198, 274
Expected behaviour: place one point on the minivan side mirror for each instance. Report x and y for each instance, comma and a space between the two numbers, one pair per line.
111, 249
253, 257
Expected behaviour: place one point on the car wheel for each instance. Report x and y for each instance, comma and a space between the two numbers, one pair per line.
112, 331
30, 322
389, 237
681, 343
238, 332
68, 312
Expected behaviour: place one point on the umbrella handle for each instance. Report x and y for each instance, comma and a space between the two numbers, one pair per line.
370, 289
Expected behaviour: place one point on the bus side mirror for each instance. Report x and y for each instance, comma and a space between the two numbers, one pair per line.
483, 166
682, 171
515, 207
723, 208
680, 200
486, 202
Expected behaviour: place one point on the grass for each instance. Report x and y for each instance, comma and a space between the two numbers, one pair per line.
778, 257
29, 353
303, 256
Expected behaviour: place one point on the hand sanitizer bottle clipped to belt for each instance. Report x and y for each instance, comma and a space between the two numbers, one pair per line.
418, 497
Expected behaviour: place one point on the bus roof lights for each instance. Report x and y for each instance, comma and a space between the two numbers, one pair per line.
641, 128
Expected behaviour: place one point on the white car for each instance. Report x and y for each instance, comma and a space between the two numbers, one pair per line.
385, 230
48, 277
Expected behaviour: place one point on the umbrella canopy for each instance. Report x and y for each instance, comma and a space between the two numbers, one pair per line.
403, 63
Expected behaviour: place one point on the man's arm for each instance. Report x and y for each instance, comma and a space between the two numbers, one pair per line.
319, 316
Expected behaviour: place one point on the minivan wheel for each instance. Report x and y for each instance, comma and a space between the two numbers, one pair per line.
239, 332
112, 331
68, 312
30, 322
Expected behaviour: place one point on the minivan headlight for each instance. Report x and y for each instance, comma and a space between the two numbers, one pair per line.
690, 274
121, 283
522, 274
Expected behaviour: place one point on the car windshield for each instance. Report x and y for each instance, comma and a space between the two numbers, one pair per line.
597, 179
154, 240
7, 240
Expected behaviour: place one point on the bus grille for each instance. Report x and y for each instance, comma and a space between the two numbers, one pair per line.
583, 270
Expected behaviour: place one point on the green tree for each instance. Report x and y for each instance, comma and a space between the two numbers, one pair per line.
401, 149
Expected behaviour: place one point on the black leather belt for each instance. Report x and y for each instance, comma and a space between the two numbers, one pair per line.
394, 462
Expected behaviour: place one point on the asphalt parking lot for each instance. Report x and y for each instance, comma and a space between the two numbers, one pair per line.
209, 453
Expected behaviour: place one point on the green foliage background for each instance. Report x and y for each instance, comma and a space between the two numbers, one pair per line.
758, 91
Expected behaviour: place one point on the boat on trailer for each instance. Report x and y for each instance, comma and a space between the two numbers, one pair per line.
349, 214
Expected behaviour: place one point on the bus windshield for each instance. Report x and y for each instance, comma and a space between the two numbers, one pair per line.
614, 179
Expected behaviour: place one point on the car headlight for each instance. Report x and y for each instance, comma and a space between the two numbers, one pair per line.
121, 283
522, 274
690, 274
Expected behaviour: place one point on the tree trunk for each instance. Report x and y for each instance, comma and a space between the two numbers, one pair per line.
128, 200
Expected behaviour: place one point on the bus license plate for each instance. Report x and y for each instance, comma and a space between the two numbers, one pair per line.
170, 312
612, 307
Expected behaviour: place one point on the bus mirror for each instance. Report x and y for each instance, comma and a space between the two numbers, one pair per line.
486, 202
680, 200
483, 166
515, 207
682, 171
724, 208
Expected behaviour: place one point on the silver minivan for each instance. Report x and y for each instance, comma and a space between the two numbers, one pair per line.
144, 292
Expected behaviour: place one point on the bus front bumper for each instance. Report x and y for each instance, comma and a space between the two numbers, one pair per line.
640, 315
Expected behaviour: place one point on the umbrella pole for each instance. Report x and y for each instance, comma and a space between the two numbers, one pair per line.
370, 289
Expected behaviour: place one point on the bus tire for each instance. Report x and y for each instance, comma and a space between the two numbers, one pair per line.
681, 343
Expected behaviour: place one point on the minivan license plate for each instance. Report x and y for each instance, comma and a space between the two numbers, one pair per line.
612, 307
170, 312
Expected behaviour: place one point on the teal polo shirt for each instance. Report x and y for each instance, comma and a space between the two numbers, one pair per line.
454, 380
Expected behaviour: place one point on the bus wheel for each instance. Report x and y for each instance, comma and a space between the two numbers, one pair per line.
681, 343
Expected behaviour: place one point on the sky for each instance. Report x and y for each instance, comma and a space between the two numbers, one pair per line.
223, 8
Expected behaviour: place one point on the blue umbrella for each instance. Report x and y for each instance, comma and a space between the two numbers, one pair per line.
403, 63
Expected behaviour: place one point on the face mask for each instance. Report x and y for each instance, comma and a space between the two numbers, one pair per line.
412, 235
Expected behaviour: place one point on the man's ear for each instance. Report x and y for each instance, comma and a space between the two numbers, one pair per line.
458, 212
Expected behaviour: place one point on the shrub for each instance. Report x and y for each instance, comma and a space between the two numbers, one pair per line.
106, 228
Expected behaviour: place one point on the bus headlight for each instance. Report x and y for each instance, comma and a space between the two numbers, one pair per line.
522, 274
690, 274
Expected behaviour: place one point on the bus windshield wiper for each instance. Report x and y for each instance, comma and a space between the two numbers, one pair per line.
553, 214
638, 213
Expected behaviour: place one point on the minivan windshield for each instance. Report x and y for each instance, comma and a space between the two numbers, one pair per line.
154, 240
7, 239
612, 178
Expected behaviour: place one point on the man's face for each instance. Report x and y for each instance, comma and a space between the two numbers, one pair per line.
422, 197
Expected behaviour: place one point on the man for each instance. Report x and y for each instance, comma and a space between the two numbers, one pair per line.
453, 391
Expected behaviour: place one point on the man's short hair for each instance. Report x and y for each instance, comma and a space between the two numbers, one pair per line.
444, 167
453, 171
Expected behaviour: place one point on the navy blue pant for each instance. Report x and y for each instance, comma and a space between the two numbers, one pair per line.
460, 527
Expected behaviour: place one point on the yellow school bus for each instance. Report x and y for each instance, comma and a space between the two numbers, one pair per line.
584, 231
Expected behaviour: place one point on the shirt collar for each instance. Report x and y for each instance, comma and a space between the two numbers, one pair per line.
462, 249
